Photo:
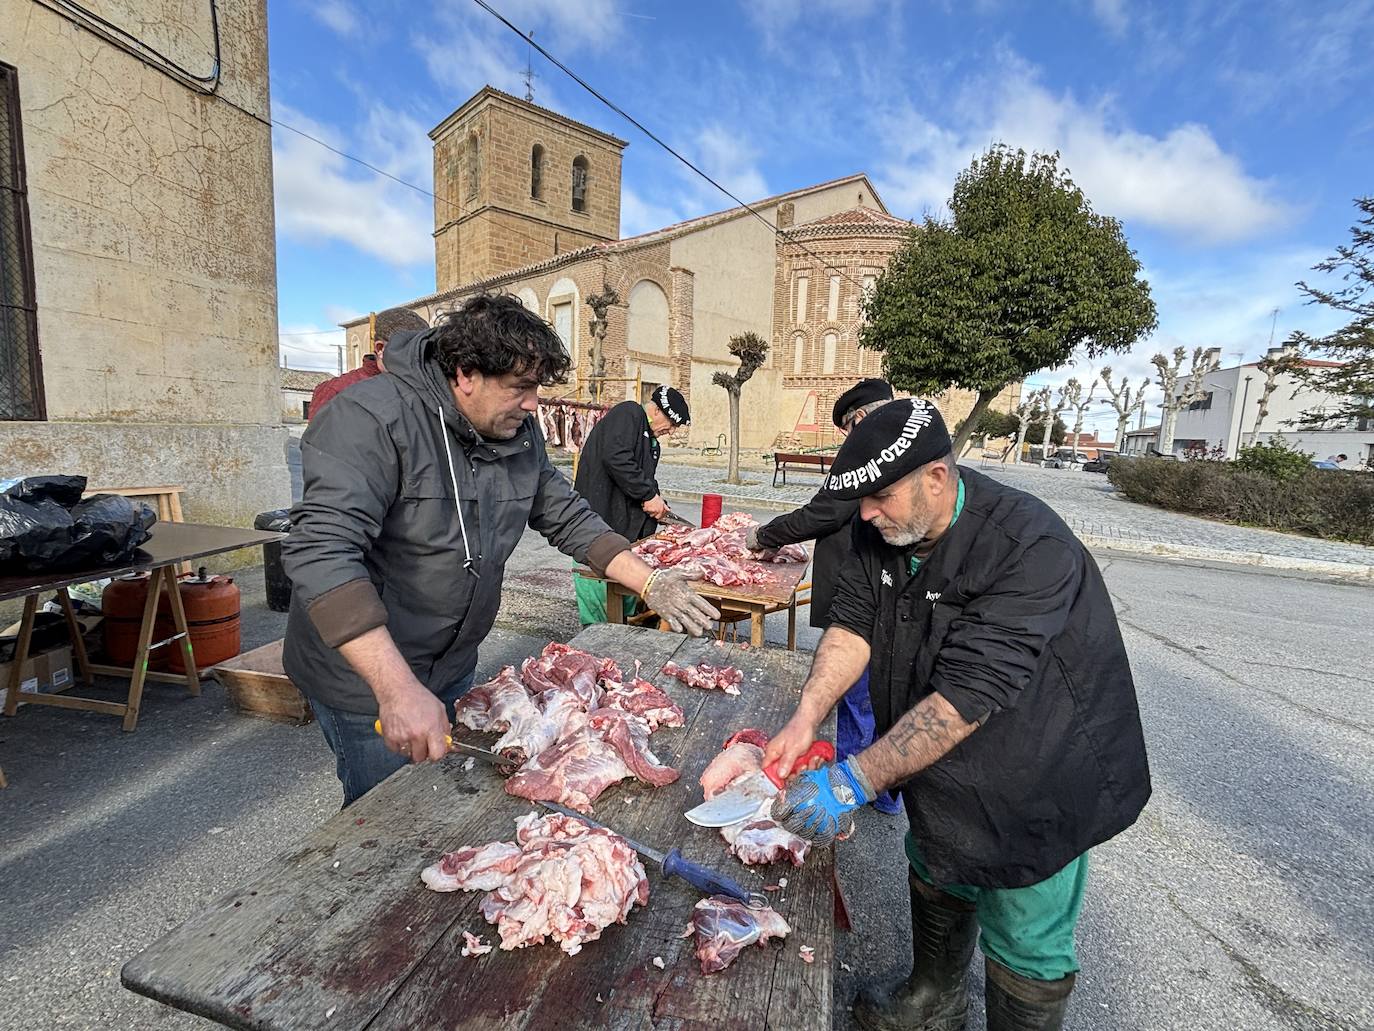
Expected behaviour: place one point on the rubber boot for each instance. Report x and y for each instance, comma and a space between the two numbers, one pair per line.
944, 930
1017, 1003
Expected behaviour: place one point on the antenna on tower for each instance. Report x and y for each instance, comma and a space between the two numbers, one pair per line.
529, 69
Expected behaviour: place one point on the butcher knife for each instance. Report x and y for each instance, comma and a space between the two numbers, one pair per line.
673, 865
746, 794
669, 516
495, 758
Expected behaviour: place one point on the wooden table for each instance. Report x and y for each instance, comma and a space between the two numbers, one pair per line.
170, 544
754, 600
339, 931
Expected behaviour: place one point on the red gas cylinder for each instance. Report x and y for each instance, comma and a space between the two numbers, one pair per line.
212, 617
122, 604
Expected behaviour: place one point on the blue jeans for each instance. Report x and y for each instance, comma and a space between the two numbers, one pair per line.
362, 760
854, 731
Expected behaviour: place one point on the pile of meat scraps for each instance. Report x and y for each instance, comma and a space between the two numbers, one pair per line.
558, 879
724, 927
716, 553
757, 839
572, 725
706, 676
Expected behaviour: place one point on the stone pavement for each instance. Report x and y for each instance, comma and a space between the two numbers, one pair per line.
1086, 501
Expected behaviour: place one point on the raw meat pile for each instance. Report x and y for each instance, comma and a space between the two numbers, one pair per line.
757, 840
706, 676
716, 553
572, 725
558, 879
725, 927
566, 424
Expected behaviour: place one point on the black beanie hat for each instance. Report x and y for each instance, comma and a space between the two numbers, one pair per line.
895, 440
672, 404
864, 392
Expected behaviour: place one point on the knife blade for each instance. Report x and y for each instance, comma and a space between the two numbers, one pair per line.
495, 758
746, 794
674, 865
670, 516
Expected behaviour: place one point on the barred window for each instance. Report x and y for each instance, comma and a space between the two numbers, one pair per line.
21, 381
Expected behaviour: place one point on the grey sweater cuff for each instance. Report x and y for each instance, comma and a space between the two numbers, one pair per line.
347, 611
604, 549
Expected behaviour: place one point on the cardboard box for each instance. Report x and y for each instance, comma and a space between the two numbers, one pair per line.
49, 672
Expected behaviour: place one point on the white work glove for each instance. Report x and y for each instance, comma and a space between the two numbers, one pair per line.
670, 594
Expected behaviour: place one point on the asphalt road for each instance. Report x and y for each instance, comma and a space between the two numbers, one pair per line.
1240, 900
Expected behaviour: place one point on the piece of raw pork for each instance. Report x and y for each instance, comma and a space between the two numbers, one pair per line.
724, 927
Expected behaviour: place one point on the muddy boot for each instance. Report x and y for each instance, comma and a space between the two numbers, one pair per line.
935, 996
1017, 1003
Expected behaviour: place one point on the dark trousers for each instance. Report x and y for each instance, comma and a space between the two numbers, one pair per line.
362, 759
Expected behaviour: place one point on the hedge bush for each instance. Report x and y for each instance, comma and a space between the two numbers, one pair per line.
1330, 503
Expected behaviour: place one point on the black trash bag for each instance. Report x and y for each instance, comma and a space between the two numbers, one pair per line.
65, 490
278, 520
107, 529
49, 631
34, 535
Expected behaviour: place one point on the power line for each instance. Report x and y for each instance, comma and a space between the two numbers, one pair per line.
529, 38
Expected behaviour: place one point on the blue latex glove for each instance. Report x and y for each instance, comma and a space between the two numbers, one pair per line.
817, 804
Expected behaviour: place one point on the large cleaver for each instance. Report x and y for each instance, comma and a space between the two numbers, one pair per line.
746, 794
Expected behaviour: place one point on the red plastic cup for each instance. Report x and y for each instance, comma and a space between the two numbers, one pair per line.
710, 508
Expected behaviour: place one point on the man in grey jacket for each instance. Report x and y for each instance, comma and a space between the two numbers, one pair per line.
394, 584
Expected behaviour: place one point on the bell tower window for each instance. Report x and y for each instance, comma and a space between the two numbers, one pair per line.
537, 172
580, 170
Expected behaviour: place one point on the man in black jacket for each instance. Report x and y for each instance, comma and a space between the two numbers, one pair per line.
615, 473
1007, 714
830, 523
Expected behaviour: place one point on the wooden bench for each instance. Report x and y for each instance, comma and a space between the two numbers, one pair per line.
782, 460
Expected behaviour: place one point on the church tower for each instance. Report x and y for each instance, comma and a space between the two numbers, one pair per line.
515, 184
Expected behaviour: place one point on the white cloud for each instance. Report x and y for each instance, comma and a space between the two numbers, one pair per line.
638, 215
1181, 182
337, 313
309, 346
321, 196
338, 15
776, 18
1112, 14
726, 157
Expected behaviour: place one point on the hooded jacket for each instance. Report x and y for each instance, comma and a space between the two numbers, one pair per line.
616, 471
1010, 621
377, 538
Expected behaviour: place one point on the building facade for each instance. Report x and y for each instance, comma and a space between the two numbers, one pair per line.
793, 270
1228, 416
138, 306
297, 387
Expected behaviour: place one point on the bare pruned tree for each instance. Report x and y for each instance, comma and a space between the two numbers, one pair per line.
751, 350
1035, 400
1276, 362
1179, 392
1125, 404
1079, 402
1051, 413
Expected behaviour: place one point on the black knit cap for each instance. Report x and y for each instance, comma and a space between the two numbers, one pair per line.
672, 404
895, 440
864, 392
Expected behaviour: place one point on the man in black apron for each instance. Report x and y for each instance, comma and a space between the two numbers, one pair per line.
1006, 714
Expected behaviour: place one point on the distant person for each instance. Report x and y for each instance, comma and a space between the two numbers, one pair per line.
1338, 460
386, 325
616, 475
830, 523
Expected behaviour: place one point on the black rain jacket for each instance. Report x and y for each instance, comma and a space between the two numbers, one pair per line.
829, 522
1010, 621
616, 470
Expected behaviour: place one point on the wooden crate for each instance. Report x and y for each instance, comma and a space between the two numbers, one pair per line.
257, 684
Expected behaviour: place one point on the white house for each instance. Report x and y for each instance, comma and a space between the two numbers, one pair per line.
1229, 410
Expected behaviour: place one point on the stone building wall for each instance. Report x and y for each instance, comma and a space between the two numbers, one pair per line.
154, 255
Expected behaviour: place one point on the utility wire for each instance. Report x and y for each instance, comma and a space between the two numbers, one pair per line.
529, 38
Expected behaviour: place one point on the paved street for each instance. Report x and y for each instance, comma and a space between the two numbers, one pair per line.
1239, 901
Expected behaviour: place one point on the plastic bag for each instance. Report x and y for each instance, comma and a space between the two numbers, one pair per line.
106, 529
65, 490
33, 535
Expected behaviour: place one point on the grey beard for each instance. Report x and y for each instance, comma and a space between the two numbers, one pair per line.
902, 538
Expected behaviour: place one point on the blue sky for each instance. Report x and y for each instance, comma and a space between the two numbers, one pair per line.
1230, 138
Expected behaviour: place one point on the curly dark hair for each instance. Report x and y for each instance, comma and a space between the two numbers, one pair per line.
496, 334
390, 322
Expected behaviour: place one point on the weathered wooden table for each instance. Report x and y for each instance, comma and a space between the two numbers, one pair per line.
754, 601
339, 932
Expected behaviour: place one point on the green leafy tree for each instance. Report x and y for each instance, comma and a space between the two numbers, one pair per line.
1035, 429
751, 350
1023, 274
1353, 343
991, 425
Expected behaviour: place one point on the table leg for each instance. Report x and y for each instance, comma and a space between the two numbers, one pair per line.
615, 603
83, 662
188, 655
21, 653
145, 638
792, 623
756, 616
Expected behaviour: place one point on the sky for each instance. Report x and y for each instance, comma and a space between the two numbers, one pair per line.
1229, 137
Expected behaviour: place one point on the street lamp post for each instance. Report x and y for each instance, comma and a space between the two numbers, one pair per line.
1240, 423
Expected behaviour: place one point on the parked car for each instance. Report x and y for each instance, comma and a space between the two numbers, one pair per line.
1098, 464
1065, 457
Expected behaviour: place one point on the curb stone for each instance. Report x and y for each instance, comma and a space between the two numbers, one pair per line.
1349, 571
